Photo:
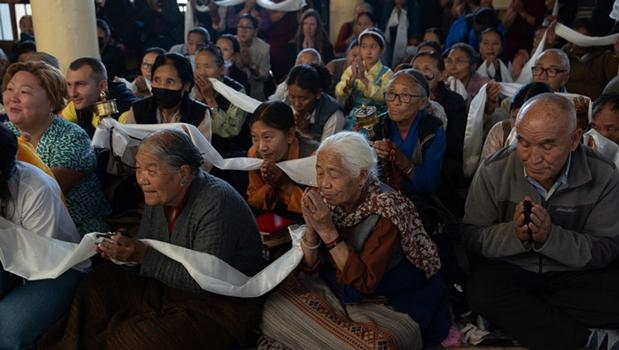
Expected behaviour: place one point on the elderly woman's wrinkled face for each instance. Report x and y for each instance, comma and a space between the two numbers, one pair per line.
458, 64
335, 183
271, 143
206, 65
404, 99
160, 183
25, 100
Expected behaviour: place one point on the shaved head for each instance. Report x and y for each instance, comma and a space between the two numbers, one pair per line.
558, 110
547, 133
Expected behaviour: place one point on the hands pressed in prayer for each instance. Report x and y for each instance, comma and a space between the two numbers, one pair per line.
122, 248
539, 222
272, 174
317, 216
357, 71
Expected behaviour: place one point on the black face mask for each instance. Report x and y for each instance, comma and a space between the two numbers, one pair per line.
166, 98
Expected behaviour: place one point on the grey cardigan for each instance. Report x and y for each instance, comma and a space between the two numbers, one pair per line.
585, 225
215, 220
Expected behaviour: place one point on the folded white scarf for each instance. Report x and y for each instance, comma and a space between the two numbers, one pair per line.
399, 19
584, 40
301, 171
239, 99
526, 76
284, 6
35, 257
488, 70
606, 147
454, 84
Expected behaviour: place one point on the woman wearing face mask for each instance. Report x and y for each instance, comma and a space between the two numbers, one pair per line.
231, 49
316, 114
171, 85
274, 140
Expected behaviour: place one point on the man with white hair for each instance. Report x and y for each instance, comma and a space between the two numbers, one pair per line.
553, 68
543, 217
305, 56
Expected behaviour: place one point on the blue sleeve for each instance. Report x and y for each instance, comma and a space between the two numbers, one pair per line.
428, 174
457, 32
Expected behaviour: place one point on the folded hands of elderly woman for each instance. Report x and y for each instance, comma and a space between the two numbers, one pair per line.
317, 216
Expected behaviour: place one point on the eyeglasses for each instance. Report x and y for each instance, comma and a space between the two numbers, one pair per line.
245, 27
404, 98
147, 65
552, 72
449, 60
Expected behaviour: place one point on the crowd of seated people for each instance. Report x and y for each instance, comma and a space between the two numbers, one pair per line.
485, 134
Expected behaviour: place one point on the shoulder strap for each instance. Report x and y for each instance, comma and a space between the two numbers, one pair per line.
427, 129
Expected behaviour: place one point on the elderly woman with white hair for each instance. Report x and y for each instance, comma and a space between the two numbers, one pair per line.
366, 258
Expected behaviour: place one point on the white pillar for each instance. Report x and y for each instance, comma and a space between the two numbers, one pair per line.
341, 11
66, 29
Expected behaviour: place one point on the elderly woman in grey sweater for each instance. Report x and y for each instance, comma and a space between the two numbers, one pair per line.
163, 307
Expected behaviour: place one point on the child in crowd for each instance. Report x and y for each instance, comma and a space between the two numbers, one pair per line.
366, 79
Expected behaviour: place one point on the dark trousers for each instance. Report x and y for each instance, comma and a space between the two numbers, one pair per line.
545, 311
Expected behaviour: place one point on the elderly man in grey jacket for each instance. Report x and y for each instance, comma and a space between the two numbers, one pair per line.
548, 270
